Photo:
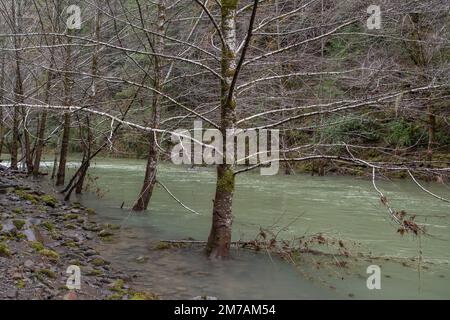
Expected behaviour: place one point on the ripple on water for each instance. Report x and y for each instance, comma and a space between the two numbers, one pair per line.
341, 206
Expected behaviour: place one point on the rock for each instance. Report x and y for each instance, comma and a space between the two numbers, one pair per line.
105, 233
12, 293
204, 298
29, 264
98, 261
16, 276
7, 226
49, 200
40, 237
180, 288
76, 262
29, 234
77, 237
90, 252
51, 293
92, 227
141, 259
71, 296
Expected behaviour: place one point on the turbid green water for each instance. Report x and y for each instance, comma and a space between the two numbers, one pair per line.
344, 207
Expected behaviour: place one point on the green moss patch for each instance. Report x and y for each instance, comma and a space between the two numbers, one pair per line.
18, 224
36, 245
27, 196
4, 250
49, 200
162, 246
48, 226
99, 262
39, 247
52, 255
226, 182
71, 216
47, 272
143, 296
17, 210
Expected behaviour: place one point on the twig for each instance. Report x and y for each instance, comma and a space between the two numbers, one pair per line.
384, 200
175, 198
427, 191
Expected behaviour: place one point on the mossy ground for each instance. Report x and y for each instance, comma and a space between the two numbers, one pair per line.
4, 250
49, 200
63, 234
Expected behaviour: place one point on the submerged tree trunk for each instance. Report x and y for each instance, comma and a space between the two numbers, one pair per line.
153, 151
86, 156
150, 176
219, 239
87, 146
60, 176
220, 235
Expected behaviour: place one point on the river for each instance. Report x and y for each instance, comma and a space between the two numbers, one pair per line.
347, 208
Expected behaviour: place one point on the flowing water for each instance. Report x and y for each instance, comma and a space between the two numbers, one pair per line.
347, 208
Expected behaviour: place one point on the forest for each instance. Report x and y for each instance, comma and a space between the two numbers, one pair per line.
349, 101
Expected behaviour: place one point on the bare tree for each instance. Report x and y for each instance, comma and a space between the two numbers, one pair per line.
340, 94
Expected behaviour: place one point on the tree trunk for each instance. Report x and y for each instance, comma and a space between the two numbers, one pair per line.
27, 144
220, 235
88, 146
40, 143
86, 157
219, 239
19, 92
15, 140
18, 89
80, 182
1, 131
153, 152
2, 85
150, 177
431, 133
60, 176
55, 160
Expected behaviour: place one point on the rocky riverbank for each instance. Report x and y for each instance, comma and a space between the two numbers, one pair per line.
41, 236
